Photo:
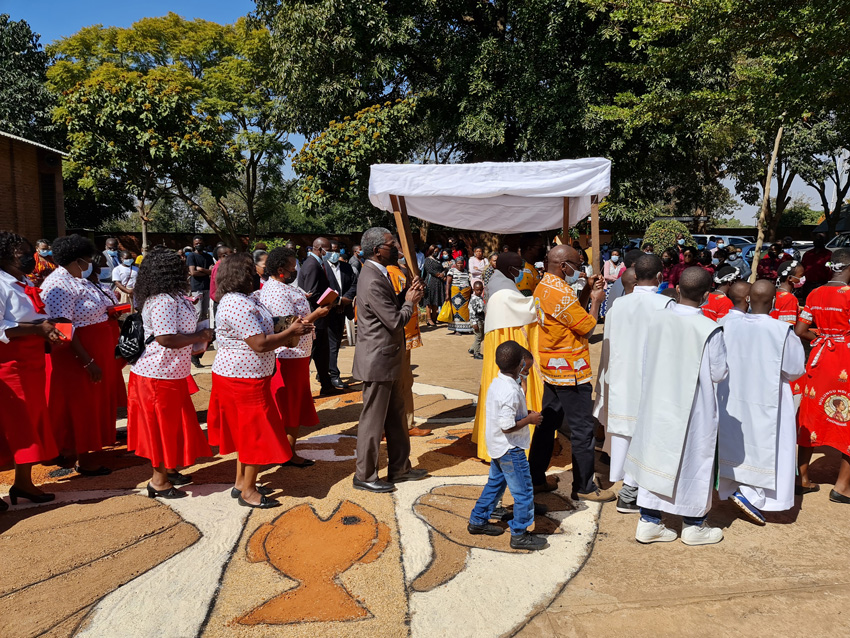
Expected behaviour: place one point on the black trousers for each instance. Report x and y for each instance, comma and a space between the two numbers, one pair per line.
336, 329
321, 357
569, 410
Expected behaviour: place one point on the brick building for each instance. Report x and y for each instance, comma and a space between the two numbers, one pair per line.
31, 196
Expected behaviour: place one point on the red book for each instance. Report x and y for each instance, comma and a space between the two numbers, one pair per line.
328, 297
66, 329
117, 311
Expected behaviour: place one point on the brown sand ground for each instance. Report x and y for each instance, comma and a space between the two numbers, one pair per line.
786, 579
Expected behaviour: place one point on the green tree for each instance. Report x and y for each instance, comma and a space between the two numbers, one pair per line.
799, 212
25, 102
662, 234
227, 68
143, 132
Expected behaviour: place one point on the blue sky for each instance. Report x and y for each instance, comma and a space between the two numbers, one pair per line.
54, 19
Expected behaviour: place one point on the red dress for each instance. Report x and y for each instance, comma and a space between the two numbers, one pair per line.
717, 306
786, 307
25, 436
162, 424
824, 417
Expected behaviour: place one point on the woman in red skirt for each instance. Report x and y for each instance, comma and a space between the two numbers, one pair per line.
81, 392
242, 415
162, 424
291, 382
25, 437
824, 417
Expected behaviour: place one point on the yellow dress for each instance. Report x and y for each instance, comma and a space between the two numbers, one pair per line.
527, 337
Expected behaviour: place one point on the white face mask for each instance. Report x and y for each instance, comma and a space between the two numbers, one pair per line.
615, 258
127, 262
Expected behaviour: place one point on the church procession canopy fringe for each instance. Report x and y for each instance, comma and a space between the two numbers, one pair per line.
494, 196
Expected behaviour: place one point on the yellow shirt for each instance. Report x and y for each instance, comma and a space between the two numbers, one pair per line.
563, 351
529, 280
412, 336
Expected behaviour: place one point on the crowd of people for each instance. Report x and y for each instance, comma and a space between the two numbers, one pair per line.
703, 377
675, 390
60, 306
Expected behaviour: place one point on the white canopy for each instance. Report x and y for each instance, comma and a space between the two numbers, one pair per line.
493, 196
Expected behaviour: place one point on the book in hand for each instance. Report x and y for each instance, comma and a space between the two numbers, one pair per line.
67, 330
283, 323
328, 297
120, 309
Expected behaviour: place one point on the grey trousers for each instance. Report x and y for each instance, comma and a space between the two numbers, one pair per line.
382, 414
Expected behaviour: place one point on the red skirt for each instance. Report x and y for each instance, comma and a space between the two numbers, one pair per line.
292, 394
824, 416
25, 436
82, 413
193, 386
162, 424
120, 387
242, 418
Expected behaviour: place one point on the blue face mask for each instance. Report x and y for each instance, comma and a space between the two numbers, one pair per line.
127, 262
45, 253
333, 257
87, 272
112, 253
681, 242
615, 258
342, 251
571, 279
362, 253
715, 261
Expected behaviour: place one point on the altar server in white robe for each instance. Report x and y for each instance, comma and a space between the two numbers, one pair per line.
618, 386
739, 293
757, 435
671, 456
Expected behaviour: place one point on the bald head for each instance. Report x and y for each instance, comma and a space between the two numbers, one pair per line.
694, 285
560, 255
738, 293
321, 245
508, 264
629, 280
762, 294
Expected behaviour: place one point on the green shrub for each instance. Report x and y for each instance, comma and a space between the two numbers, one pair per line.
272, 243
662, 234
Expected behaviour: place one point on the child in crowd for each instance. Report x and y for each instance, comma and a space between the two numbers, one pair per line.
508, 437
476, 318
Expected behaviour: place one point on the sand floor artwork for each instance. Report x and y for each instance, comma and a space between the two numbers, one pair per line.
105, 561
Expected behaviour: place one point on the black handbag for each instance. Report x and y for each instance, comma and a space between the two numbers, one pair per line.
131, 341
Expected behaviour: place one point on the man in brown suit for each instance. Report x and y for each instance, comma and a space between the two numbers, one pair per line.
381, 317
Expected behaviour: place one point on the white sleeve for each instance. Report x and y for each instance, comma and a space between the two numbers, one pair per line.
794, 357
717, 356
4, 323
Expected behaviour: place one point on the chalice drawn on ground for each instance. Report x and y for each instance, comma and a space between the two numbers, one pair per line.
315, 551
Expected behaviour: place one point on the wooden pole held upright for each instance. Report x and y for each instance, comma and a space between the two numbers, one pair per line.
402, 222
594, 235
565, 233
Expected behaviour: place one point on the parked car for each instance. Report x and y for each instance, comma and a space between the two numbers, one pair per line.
842, 240
729, 240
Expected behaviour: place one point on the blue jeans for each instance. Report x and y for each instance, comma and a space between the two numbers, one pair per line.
654, 516
511, 470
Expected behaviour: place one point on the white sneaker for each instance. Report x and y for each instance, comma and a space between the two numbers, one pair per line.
701, 535
647, 532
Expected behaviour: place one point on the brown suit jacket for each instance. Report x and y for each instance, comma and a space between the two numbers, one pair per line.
381, 317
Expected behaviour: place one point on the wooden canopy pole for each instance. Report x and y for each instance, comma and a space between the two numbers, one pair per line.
565, 233
594, 235
402, 222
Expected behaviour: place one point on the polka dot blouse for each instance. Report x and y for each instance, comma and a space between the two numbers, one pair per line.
238, 317
166, 315
283, 300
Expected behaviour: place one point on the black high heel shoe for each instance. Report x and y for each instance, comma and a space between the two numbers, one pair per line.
15, 493
262, 489
171, 492
264, 504
176, 478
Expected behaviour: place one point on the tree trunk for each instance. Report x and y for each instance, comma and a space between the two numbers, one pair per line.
765, 204
423, 231
143, 217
